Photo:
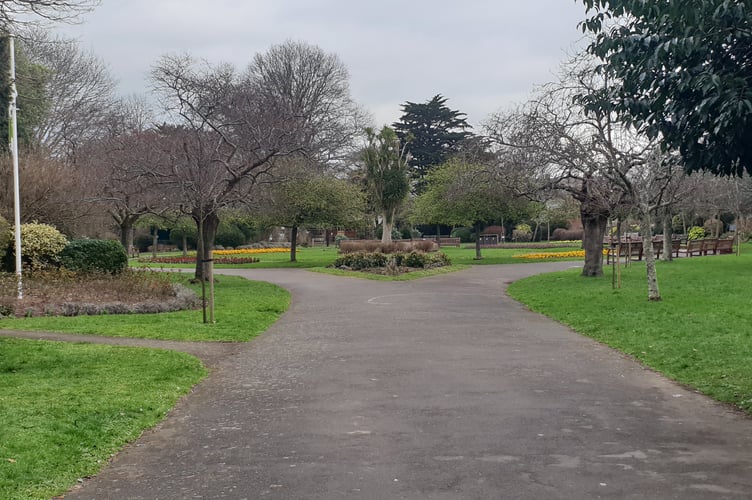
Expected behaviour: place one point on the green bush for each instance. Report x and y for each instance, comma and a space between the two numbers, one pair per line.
465, 234
229, 236
41, 245
370, 260
695, 233
106, 256
522, 232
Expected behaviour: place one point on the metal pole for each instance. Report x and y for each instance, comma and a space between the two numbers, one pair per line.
13, 137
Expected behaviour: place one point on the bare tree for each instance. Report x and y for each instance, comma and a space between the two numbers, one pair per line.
15, 12
79, 91
51, 192
314, 87
121, 172
558, 145
231, 129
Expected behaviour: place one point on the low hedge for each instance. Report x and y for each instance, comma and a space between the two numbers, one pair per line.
375, 246
104, 256
358, 261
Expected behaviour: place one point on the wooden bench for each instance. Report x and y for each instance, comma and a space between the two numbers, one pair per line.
723, 246
658, 247
444, 241
633, 249
694, 247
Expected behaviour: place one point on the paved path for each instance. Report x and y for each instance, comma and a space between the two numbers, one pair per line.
441, 388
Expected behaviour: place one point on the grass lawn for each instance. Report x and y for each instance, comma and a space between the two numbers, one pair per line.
66, 408
321, 257
699, 334
244, 309
465, 255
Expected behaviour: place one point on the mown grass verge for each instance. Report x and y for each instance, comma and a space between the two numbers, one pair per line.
244, 309
699, 334
321, 257
66, 408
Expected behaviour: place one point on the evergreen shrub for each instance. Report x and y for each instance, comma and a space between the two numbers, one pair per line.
106, 256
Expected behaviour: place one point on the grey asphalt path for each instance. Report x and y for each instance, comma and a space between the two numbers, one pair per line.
441, 388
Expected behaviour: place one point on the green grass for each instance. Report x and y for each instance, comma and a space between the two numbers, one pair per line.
466, 256
699, 334
66, 408
425, 273
321, 257
306, 257
244, 309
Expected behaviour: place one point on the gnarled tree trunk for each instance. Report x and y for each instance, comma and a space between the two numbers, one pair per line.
593, 231
206, 232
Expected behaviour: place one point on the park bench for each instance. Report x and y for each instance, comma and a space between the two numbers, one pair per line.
658, 247
449, 242
694, 247
723, 246
632, 248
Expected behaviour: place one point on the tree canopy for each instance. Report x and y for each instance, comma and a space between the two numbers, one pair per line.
386, 175
431, 132
680, 71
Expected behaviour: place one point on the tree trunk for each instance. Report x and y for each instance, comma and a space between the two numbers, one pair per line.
594, 230
668, 233
125, 225
185, 244
154, 241
478, 256
205, 234
387, 223
294, 244
654, 294
438, 235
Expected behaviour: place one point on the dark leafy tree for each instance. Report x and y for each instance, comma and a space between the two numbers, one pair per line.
431, 132
681, 72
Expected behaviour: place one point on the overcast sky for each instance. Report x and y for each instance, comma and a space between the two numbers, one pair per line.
482, 55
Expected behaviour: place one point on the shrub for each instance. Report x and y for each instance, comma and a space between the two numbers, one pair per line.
522, 232
561, 234
41, 245
361, 260
229, 235
379, 247
425, 246
105, 256
695, 233
369, 260
465, 234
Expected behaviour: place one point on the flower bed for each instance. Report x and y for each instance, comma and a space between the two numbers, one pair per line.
251, 251
191, 259
553, 255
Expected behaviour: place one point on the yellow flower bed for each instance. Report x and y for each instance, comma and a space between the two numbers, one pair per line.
251, 251
553, 255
